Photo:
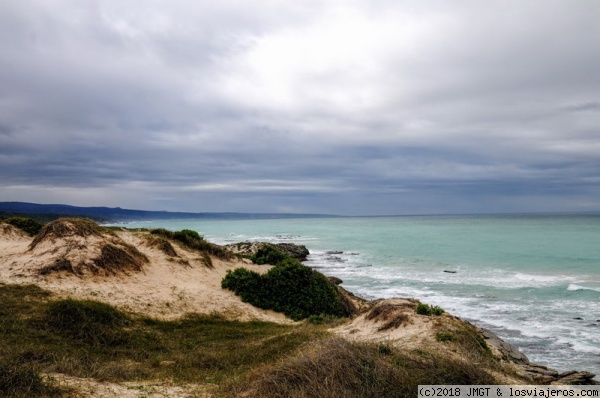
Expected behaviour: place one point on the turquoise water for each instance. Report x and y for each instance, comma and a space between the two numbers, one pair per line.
533, 279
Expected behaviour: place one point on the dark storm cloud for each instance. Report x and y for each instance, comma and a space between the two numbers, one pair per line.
345, 107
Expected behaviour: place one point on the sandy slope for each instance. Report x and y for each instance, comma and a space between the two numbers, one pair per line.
412, 330
167, 287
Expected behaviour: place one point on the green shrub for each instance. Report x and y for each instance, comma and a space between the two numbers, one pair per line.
268, 254
246, 284
423, 309
437, 311
289, 287
28, 225
92, 322
187, 236
426, 309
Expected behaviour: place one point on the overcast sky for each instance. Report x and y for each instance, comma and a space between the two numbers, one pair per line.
348, 107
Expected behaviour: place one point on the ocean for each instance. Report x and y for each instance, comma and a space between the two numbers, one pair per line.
532, 279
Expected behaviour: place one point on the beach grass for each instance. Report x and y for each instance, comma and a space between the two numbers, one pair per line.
87, 339
42, 335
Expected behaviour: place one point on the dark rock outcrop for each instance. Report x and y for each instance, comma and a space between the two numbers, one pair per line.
299, 252
508, 351
537, 373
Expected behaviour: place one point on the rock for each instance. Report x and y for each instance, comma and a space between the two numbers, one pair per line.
576, 378
567, 373
244, 248
578, 319
449, 272
299, 252
335, 280
544, 375
541, 370
510, 352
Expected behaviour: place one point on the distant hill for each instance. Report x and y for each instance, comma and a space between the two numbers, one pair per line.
47, 212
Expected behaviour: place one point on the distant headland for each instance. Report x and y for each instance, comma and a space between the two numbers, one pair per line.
47, 212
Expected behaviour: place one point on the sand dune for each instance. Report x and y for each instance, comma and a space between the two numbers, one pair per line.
160, 285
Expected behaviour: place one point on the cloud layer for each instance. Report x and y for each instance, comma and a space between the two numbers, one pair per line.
350, 107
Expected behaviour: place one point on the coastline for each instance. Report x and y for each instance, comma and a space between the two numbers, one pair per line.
171, 286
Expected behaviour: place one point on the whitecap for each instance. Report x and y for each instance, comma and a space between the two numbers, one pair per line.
573, 287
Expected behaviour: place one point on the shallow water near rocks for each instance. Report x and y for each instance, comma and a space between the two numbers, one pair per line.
532, 279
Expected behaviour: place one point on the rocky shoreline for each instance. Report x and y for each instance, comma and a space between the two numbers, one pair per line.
539, 374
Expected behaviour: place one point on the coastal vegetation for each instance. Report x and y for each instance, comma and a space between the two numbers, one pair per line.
289, 287
268, 254
105, 322
192, 240
429, 310
43, 335
336, 367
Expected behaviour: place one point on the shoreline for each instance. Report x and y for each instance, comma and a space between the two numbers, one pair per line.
509, 351
172, 283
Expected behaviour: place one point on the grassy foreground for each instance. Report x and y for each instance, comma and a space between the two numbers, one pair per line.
93, 340
41, 335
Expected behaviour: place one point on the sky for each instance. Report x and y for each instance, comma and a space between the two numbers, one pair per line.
354, 107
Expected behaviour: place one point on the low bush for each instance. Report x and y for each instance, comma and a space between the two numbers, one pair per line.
268, 254
437, 311
28, 225
187, 236
289, 287
426, 309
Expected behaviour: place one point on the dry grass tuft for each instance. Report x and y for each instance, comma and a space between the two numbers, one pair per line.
7, 230
162, 244
206, 260
339, 368
335, 368
392, 315
65, 227
61, 264
463, 335
394, 323
114, 259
